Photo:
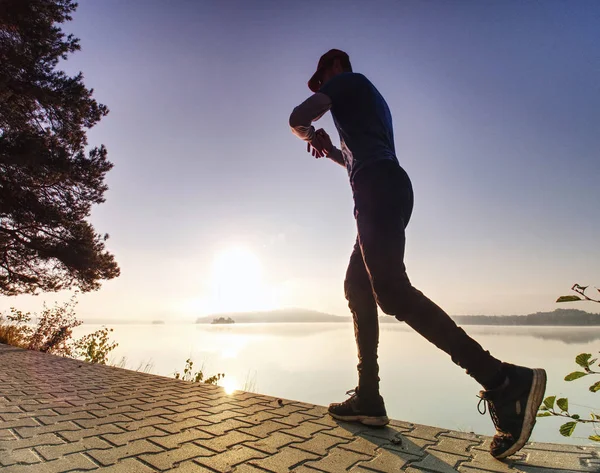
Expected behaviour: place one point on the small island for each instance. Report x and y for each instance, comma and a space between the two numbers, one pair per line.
223, 320
158, 322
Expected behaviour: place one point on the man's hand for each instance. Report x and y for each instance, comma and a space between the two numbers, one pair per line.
321, 144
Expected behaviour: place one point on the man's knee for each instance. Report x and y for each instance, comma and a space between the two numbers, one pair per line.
399, 300
359, 296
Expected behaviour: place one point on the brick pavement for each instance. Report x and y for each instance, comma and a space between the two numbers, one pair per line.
60, 415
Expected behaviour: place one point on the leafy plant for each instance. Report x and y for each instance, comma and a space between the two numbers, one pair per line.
560, 407
95, 347
53, 333
54, 330
581, 297
14, 329
198, 376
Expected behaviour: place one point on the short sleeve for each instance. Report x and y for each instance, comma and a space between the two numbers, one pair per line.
340, 87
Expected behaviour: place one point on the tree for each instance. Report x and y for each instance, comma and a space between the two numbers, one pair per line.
48, 180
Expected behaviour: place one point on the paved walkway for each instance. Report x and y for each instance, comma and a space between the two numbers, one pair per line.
62, 415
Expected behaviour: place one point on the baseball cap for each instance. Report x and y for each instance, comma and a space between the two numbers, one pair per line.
326, 60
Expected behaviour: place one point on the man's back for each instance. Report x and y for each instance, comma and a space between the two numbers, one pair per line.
363, 120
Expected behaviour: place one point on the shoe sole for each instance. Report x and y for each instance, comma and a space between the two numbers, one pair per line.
536, 396
371, 421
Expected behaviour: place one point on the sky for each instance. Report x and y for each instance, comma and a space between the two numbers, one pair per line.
215, 206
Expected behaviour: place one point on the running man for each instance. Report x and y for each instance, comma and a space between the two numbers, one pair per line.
376, 275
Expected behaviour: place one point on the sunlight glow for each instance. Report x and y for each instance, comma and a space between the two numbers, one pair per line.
237, 283
229, 384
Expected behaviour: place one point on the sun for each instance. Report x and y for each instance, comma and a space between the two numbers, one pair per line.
229, 384
236, 265
237, 282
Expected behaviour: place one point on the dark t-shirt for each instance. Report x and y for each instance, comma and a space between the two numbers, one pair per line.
363, 120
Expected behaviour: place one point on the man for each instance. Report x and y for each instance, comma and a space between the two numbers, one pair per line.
383, 202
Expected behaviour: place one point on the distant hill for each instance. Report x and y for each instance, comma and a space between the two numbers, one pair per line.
277, 316
561, 317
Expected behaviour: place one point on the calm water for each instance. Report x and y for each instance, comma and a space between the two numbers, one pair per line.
316, 363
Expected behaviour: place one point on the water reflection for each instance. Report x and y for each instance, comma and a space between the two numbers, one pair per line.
568, 335
317, 363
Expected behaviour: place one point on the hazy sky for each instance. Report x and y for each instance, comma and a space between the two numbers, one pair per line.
496, 109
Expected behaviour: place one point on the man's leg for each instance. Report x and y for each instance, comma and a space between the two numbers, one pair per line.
383, 197
361, 301
513, 393
365, 405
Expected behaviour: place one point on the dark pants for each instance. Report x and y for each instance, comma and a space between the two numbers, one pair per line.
376, 275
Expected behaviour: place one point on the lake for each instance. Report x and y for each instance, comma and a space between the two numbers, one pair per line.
316, 363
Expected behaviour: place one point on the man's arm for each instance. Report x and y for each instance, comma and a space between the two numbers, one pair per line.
336, 156
307, 112
328, 149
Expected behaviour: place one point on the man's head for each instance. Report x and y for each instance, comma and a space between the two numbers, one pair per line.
331, 64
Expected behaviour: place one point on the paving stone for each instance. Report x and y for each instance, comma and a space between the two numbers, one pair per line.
73, 436
53, 452
176, 427
115, 454
22, 422
59, 419
338, 460
454, 445
296, 418
439, 462
463, 436
44, 439
151, 413
260, 417
124, 438
264, 429
22, 456
167, 460
150, 422
402, 425
179, 408
248, 468
224, 462
129, 465
285, 410
77, 462
425, 432
483, 461
223, 442
254, 409
385, 461
174, 440
364, 445
28, 432
553, 459
222, 427
554, 447
190, 466
95, 422
215, 408
284, 460
273, 443
305, 430
9, 417
341, 432
411, 446
220, 417
321, 444
60, 415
